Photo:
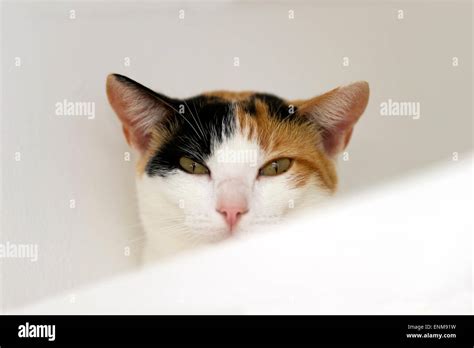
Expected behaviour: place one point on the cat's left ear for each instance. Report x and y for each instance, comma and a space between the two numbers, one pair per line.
335, 113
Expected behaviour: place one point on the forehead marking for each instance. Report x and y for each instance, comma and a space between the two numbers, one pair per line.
261, 118
289, 137
205, 122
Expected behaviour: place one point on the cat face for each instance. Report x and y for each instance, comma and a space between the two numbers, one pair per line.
220, 163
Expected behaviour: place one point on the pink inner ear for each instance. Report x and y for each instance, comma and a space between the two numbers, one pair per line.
140, 142
337, 138
134, 134
348, 137
131, 108
337, 112
335, 141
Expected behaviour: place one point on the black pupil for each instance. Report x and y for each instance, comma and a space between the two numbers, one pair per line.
275, 166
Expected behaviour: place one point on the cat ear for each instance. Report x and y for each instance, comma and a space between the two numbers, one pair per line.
139, 109
336, 112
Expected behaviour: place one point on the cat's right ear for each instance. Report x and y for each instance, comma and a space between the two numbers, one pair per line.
336, 112
139, 109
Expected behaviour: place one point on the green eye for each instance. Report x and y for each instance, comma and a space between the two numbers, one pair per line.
276, 167
192, 167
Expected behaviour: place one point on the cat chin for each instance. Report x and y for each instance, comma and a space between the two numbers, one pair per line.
160, 245
168, 233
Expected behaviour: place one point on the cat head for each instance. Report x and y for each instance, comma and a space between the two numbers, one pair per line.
222, 162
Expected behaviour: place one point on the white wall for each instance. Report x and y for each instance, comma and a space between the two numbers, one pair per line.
66, 158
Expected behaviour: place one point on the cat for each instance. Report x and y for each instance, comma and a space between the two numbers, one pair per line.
218, 164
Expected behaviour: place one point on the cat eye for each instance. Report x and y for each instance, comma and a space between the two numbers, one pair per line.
192, 167
276, 167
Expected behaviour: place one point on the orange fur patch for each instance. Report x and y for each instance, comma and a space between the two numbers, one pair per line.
229, 95
299, 141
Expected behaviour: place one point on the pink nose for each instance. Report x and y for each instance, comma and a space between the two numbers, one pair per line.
232, 214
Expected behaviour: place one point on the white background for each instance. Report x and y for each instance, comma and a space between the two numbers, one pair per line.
66, 158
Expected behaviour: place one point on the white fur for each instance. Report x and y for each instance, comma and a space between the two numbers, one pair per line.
179, 211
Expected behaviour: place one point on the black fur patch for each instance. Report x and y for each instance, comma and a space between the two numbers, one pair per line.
248, 106
204, 121
201, 122
277, 107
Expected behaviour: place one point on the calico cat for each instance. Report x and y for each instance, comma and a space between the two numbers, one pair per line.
220, 163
